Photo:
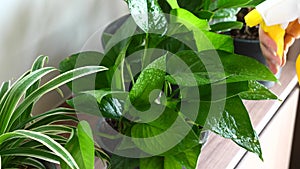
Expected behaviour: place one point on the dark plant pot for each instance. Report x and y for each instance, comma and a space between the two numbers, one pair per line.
252, 49
114, 26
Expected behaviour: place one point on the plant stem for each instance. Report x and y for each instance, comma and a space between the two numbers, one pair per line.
130, 72
145, 59
122, 75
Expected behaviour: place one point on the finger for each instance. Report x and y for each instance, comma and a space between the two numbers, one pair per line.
283, 59
270, 54
267, 40
272, 59
288, 41
273, 67
268, 47
293, 29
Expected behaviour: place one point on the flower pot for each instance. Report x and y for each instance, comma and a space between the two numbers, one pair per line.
113, 27
252, 49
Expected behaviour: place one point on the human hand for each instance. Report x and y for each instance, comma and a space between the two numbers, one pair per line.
269, 47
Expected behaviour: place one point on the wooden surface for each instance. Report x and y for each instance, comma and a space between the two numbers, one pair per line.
220, 153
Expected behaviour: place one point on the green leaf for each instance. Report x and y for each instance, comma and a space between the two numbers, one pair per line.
88, 58
100, 94
108, 103
55, 129
100, 153
195, 79
257, 92
254, 3
226, 14
226, 26
235, 67
191, 140
178, 38
51, 119
249, 90
16, 92
241, 68
54, 83
4, 88
118, 162
51, 113
173, 4
148, 15
111, 107
56, 148
189, 157
30, 152
167, 162
140, 93
219, 41
152, 162
230, 119
215, 92
34, 163
205, 40
230, 3
122, 42
204, 14
86, 144
192, 5
38, 64
85, 103
191, 21
105, 38
168, 134
81, 146
6, 94
146, 136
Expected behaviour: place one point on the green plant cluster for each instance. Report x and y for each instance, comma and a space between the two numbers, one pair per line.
141, 82
142, 91
40, 141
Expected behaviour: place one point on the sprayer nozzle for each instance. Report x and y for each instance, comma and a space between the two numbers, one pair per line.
253, 18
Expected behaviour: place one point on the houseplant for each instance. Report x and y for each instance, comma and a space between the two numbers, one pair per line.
169, 79
28, 141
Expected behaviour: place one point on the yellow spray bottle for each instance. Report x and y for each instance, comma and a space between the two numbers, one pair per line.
274, 17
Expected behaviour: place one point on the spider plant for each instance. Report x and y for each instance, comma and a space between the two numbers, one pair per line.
28, 141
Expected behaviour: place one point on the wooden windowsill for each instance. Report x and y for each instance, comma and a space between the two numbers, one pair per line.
220, 153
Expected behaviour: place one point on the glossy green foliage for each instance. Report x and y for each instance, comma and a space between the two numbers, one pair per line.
224, 26
81, 146
148, 15
141, 90
172, 85
229, 118
219, 4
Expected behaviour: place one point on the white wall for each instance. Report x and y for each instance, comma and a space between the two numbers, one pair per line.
56, 28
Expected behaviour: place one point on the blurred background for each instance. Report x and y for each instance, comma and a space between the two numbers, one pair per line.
55, 28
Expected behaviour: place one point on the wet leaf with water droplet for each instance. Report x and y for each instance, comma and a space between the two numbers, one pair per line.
230, 119
148, 15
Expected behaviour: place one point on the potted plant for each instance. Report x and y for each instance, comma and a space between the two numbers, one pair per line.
28, 141
170, 78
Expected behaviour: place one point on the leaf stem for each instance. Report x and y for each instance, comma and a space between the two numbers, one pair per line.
130, 72
145, 60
